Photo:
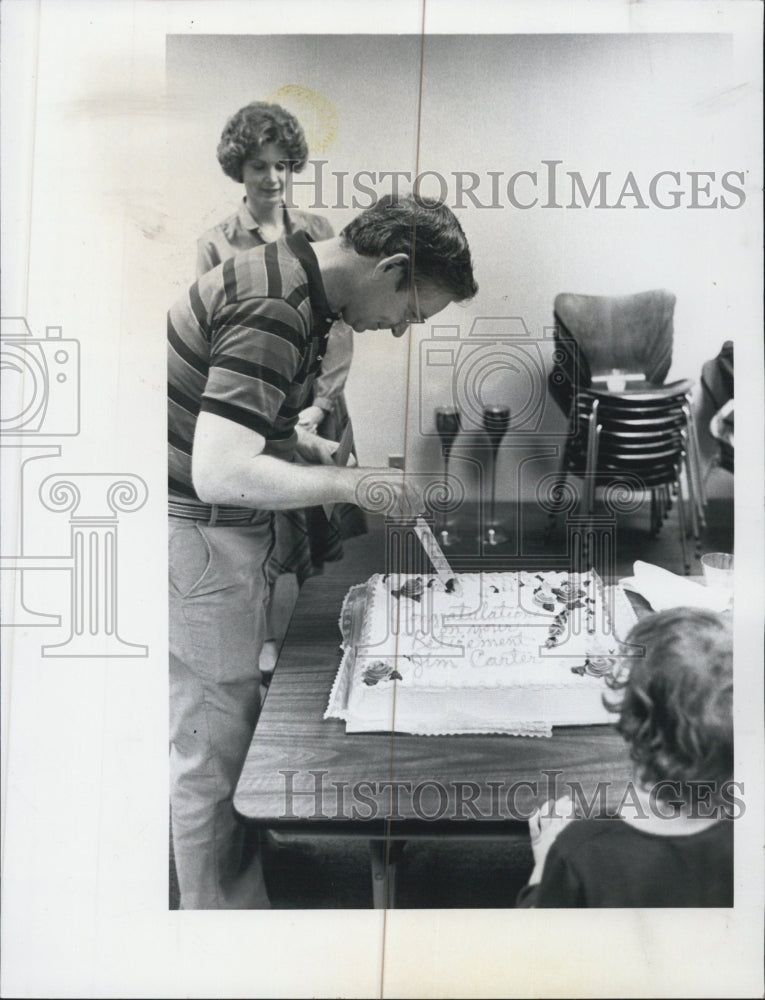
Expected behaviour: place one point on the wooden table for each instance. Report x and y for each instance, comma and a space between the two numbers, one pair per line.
303, 774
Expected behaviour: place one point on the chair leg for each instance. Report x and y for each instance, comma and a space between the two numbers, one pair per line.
593, 471
590, 474
667, 501
656, 512
560, 482
591, 461
694, 487
687, 476
693, 468
697, 472
681, 522
659, 493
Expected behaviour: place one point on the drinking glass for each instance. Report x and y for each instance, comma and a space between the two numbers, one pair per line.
496, 420
448, 424
718, 571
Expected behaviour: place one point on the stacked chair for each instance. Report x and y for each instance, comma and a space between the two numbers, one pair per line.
627, 429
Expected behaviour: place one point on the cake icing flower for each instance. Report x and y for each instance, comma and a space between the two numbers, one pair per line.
410, 588
379, 670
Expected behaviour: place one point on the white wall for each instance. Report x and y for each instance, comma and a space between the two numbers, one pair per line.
493, 103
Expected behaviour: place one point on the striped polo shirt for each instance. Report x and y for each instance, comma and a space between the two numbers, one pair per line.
245, 343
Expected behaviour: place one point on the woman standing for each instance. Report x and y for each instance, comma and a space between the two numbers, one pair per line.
261, 145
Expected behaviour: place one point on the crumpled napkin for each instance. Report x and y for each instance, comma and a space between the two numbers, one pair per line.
663, 590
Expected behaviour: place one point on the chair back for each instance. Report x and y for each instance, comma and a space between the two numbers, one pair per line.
632, 333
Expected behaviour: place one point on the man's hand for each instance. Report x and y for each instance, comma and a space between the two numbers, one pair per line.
310, 418
314, 450
391, 492
544, 826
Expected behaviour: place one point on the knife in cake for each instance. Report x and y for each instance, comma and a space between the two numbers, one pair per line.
444, 572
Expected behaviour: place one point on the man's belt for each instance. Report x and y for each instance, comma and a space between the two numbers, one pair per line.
213, 514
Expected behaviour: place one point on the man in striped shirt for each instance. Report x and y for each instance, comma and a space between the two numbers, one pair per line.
244, 345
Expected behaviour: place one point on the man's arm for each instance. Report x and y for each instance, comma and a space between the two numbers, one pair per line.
229, 467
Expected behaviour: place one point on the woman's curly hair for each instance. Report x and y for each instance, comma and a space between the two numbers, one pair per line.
676, 700
253, 127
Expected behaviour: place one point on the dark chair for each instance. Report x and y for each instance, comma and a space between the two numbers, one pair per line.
611, 357
595, 334
639, 441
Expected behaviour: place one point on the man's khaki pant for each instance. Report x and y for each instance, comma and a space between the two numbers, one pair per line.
218, 593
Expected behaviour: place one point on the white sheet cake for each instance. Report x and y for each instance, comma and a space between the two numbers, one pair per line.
513, 653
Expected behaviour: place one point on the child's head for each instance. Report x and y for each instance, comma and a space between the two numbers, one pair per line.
677, 699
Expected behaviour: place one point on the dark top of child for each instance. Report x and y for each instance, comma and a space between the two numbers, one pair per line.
610, 863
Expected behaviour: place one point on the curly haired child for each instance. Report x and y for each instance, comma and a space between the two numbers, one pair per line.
674, 691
